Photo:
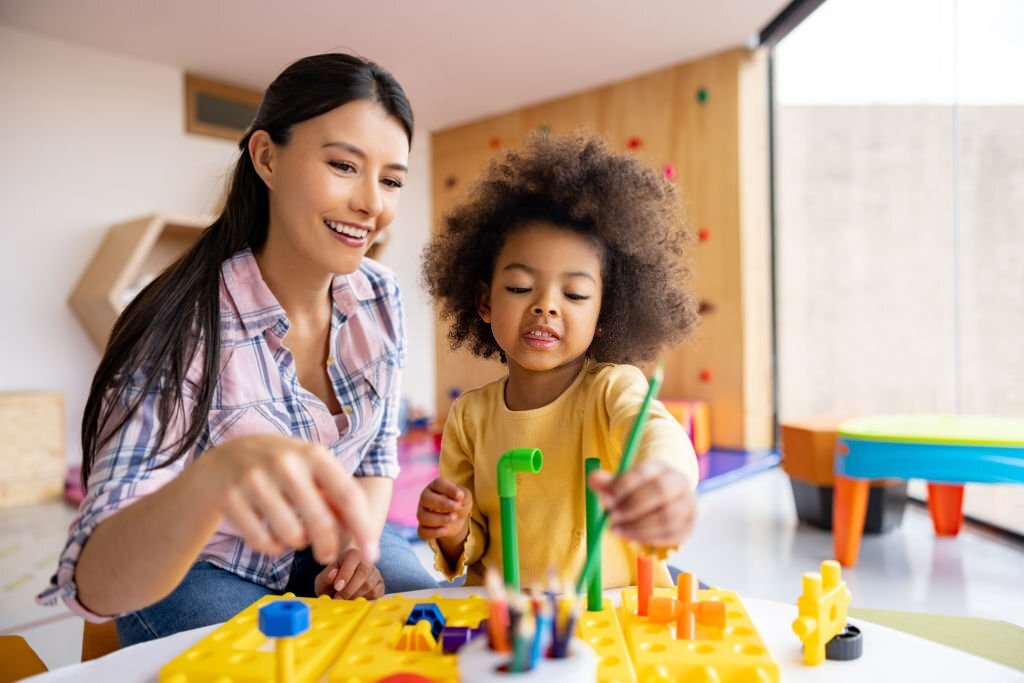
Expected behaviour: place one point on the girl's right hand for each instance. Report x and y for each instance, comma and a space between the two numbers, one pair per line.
282, 493
348, 578
444, 510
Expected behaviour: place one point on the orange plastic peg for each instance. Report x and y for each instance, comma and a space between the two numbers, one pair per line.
712, 613
661, 610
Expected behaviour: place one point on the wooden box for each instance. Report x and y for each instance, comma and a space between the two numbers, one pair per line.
33, 462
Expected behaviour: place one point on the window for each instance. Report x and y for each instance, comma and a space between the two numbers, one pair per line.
899, 161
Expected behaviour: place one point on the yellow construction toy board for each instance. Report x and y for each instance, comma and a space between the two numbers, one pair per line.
355, 641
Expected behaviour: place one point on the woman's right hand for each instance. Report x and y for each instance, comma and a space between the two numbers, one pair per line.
281, 493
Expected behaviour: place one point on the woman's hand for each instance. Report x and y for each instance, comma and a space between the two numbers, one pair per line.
349, 578
651, 503
282, 493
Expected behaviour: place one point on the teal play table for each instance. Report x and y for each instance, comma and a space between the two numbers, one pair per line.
947, 451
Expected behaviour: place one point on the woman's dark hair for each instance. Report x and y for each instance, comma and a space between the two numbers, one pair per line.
628, 209
158, 335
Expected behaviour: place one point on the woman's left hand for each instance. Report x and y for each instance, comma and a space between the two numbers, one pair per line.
651, 503
350, 577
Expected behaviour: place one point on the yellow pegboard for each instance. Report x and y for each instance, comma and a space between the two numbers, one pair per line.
371, 654
354, 641
740, 654
602, 631
239, 653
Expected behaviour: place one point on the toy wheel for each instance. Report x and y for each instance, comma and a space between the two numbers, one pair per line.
846, 646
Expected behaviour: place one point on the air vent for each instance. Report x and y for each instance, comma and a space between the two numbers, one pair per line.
218, 109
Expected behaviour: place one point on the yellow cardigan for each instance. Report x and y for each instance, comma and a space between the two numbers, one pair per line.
592, 418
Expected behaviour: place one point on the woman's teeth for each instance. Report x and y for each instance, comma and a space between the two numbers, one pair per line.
342, 229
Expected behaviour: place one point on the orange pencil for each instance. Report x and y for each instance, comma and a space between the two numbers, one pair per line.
497, 620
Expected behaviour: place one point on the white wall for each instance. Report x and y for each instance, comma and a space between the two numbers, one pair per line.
89, 138
409, 234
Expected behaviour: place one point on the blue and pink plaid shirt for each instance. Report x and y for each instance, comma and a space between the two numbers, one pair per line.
259, 392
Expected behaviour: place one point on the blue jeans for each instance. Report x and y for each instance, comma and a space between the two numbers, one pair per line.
209, 595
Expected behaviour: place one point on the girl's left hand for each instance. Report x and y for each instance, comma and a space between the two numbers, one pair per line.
651, 503
350, 577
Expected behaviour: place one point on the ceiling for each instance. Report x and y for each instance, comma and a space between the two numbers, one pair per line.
459, 60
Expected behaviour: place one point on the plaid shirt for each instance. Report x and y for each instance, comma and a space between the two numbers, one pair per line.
259, 392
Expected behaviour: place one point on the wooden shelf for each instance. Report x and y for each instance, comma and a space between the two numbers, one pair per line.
130, 256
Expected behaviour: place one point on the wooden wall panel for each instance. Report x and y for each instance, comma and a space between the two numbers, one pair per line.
640, 111
759, 410
718, 147
566, 115
706, 145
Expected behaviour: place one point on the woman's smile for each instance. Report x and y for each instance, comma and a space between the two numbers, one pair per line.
349, 234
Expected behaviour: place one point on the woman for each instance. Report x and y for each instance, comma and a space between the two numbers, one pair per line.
246, 406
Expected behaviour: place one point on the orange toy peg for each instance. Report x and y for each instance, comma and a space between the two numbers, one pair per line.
686, 594
711, 613
661, 610
645, 582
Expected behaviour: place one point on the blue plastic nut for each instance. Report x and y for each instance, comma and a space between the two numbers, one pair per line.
427, 611
284, 619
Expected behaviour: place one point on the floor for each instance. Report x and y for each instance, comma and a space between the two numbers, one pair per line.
748, 539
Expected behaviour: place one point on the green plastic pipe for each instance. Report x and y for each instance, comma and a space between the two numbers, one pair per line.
594, 544
595, 599
516, 460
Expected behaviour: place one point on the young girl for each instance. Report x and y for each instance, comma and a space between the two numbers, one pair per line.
564, 262
246, 405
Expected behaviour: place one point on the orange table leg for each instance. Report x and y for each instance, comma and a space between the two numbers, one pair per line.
945, 503
849, 506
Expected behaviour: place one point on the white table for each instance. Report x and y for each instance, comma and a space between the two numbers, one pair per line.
888, 655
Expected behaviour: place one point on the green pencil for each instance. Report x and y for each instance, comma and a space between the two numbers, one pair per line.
628, 456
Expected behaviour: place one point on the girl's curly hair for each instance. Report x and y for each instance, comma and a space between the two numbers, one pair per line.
629, 209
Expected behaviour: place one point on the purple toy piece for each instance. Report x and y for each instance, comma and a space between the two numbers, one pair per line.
454, 637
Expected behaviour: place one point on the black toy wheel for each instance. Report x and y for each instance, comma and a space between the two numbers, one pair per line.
846, 646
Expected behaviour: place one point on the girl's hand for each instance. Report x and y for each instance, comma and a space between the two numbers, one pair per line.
282, 493
444, 510
349, 578
651, 503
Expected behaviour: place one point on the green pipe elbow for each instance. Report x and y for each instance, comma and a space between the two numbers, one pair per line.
516, 460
